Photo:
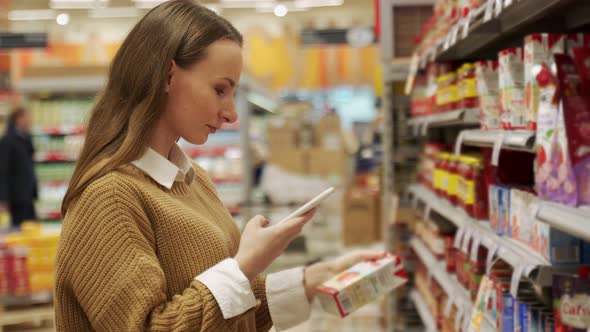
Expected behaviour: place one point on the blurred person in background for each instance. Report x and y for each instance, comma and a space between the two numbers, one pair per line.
18, 182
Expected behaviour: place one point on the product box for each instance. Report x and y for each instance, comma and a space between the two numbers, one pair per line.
508, 309
326, 162
576, 120
511, 88
494, 197
538, 50
486, 76
361, 284
546, 136
328, 133
293, 160
361, 216
556, 246
571, 299
504, 201
522, 207
282, 132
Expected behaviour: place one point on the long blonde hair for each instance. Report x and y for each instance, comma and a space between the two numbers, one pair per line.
124, 116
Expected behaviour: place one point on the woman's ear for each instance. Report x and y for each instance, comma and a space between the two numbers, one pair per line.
171, 73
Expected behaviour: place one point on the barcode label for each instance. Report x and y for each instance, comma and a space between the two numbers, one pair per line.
345, 303
565, 255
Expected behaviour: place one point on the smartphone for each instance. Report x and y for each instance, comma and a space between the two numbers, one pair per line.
309, 205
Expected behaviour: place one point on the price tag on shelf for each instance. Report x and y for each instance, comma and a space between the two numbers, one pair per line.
449, 305
507, 3
412, 74
491, 253
489, 11
497, 149
499, 8
459, 316
424, 129
447, 42
458, 237
465, 241
454, 33
459, 143
475, 246
515, 280
466, 25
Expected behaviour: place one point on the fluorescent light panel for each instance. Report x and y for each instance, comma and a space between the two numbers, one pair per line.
31, 15
77, 4
317, 3
147, 4
113, 12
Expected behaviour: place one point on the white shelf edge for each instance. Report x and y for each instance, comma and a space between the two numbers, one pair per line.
464, 116
62, 84
574, 221
509, 250
425, 314
519, 140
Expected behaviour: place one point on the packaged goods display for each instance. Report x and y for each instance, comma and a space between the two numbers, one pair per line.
486, 76
539, 50
511, 88
361, 284
27, 261
571, 309
60, 116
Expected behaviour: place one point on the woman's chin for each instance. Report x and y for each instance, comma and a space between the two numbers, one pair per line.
197, 140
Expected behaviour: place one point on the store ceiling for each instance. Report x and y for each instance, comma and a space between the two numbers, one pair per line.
44, 4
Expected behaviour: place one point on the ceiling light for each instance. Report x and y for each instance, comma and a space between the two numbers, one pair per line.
248, 4
31, 15
112, 12
280, 10
147, 4
63, 19
317, 3
78, 4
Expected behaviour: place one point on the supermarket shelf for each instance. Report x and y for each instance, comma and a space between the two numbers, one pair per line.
459, 117
57, 131
508, 29
40, 298
509, 250
425, 314
567, 219
436, 268
518, 140
88, 84
55, 161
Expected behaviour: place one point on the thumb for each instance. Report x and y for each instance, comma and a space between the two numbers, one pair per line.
260, 221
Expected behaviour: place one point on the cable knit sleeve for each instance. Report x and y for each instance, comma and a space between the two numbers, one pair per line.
107, 260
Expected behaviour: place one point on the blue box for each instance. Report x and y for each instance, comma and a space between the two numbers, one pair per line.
503, 211
523, 317
508, 306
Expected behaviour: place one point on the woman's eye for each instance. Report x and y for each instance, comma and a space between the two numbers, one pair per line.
219, 92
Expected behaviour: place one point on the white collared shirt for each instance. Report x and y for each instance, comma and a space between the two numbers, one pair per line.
285, 293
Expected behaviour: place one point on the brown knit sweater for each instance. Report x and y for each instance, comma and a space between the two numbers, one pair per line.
130, 250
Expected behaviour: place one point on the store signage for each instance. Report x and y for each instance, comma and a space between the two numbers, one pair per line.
22, 40
355, 36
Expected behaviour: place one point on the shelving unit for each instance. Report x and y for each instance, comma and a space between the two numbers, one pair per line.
425, 315
490, 28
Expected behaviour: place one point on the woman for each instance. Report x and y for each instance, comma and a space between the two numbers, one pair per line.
18, 182
146, 243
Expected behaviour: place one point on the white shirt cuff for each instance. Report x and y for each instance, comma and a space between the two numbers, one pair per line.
230, 288
287, 302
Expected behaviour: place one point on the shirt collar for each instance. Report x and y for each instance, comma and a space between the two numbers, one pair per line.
166, 171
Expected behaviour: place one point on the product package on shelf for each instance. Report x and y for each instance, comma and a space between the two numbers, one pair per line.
522, 220
468, 96
486, 73
27, 261
538, 51
361, 284
576, 122
511, 88
571, 295
447, 95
